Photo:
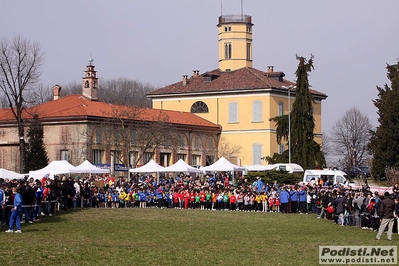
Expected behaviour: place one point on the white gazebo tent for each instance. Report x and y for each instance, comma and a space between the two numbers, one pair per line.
55, 168
7, 174
150, 167
181, 166
87, 167
223, 165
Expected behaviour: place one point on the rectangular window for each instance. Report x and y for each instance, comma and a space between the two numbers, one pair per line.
164, 159
64, 155
117, 157
257, 154
248, 51
98, 156
257, 111
227, 51
233, 112
181, 156
280, 109
195, 159
147, 156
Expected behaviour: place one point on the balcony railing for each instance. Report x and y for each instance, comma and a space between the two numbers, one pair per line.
235, 18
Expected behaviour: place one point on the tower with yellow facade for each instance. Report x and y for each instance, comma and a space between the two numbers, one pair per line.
237, 96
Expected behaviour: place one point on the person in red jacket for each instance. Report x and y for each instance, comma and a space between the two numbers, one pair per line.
181, 199
271, 203
277, 203
186, 199
175, 200
233, 202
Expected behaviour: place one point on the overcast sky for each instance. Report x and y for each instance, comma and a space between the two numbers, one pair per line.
158, 41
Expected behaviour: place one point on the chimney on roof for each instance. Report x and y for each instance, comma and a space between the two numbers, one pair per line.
56, 92
270, 69
195, 73
185, 77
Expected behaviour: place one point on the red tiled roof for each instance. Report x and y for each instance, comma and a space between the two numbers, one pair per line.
77, 106
246, 78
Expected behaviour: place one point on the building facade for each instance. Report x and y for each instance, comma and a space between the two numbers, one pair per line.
238, 97
79, 127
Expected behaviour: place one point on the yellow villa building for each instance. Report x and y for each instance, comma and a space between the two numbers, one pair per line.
238, 97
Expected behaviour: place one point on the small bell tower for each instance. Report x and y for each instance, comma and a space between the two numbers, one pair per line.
90, 82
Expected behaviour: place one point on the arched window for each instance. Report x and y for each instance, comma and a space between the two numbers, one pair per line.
199, 107
86, 84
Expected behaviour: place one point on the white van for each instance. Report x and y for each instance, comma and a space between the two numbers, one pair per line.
332, 176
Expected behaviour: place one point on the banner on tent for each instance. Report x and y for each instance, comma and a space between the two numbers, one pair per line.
117, 167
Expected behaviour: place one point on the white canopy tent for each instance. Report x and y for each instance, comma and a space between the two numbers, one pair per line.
55, 168
87, 167
181, 166
150, 167
7, 174
223, 165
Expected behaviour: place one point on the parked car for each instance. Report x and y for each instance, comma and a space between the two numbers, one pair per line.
366, 170
356, 172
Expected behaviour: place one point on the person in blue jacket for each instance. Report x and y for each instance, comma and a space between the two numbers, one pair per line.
294, 199
284, 197
303, 200
16, 212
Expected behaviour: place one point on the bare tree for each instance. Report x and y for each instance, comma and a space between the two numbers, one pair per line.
125, 91
228, 149
20, 62
72, 87
350, 136
40, 94
128, 131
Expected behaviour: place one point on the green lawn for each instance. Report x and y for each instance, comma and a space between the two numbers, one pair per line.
177, 237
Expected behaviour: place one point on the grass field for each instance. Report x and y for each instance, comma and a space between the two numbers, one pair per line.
177, 237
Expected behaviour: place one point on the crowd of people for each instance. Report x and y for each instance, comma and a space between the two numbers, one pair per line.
29, 199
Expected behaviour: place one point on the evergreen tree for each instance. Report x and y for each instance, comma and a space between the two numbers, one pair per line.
36, 154
384, 142
304, 150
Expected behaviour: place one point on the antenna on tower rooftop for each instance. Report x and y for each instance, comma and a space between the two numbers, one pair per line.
221, 7
242, 8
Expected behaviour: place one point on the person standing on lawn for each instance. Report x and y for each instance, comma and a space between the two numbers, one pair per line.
16, 212
387, 216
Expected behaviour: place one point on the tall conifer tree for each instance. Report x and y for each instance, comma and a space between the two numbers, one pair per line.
304, 150
36, 154
384, 142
